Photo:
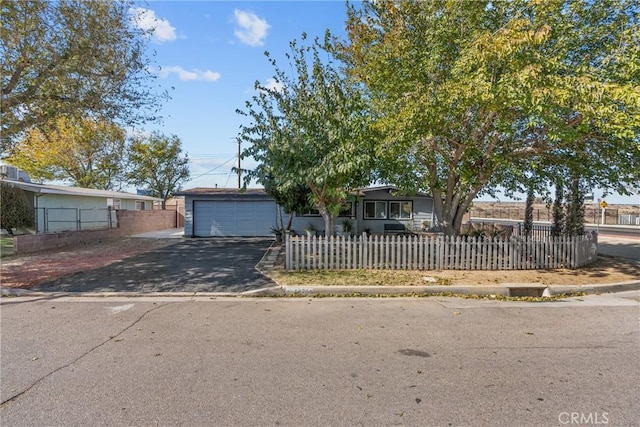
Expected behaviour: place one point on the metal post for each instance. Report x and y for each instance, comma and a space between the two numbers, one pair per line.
239, 170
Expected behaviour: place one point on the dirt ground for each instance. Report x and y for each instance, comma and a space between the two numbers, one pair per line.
604, 271
25, 271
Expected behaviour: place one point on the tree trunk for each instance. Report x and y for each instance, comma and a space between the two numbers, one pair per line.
329, 220
450, 211
291, 215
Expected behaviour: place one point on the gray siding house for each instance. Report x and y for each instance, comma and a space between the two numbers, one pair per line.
373, 208
253, 213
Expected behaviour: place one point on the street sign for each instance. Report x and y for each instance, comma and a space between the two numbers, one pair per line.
603, 204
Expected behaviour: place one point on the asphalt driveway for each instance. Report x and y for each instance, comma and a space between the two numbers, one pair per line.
190, 265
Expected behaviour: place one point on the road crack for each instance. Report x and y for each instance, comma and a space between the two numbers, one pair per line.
82, 356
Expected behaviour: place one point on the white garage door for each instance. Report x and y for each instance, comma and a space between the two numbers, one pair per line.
247, 218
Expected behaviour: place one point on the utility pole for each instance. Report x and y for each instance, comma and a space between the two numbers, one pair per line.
239, 170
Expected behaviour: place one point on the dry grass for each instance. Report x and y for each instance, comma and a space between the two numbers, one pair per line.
605, 270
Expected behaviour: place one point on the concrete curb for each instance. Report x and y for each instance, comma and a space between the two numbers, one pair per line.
284, 291
11, 292
503, 290
597, 289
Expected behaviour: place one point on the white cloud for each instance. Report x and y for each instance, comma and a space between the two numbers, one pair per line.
272, 84
250, 28
146, 20
189, 75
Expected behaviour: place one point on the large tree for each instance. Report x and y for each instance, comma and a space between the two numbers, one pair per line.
72, 57
158, 164
311, 130
468, 94
85, 153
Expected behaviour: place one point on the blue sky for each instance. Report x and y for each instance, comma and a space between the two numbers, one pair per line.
209, 55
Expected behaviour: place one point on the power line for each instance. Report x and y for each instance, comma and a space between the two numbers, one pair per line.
211, 170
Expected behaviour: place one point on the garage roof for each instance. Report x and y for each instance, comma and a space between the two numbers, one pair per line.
254, 193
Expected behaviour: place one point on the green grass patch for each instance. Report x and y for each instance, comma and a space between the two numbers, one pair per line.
6, 246
360, 277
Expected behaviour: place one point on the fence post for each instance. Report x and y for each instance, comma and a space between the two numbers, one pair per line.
287, 250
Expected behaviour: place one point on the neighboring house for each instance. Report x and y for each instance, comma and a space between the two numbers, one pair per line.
60, 208
251, 212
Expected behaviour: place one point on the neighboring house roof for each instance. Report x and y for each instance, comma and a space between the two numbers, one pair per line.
77, 191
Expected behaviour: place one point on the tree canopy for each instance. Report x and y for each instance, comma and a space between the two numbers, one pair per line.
473, 95
72, 57
86, 153
157, 164
311, 130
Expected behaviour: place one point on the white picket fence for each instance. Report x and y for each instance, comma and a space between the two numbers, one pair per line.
438, 252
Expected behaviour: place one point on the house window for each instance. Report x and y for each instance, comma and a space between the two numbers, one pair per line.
139, 205
375, 210
400, 210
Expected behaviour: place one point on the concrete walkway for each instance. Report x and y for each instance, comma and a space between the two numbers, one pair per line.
171, 233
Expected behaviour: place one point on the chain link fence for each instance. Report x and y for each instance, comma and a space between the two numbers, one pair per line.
54, 220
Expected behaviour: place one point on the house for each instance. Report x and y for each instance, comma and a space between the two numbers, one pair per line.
374, 208
252, 212
61, 208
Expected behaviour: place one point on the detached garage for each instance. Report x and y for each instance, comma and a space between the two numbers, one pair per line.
228, 212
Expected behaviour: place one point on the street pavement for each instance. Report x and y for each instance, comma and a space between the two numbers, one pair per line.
331, 361
625, 246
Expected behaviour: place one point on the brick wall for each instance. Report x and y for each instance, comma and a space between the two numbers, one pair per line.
133, 222
129, 222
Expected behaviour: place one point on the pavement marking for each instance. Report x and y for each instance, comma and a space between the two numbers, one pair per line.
119, 308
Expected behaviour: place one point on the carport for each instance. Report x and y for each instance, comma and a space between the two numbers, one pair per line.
228, 212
